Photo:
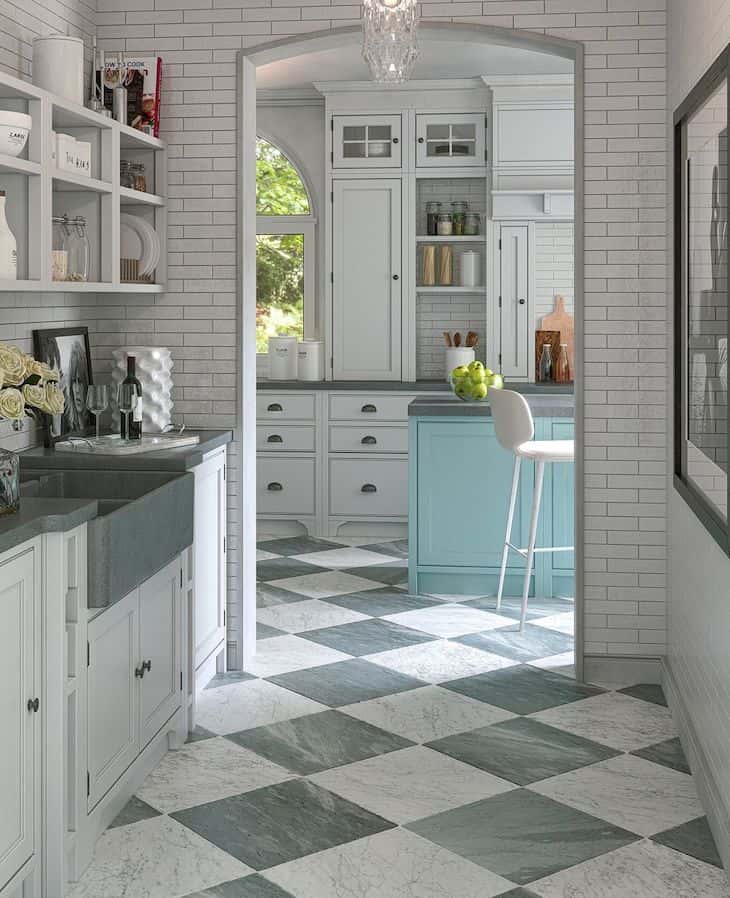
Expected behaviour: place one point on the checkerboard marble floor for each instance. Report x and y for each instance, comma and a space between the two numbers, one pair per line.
392, 746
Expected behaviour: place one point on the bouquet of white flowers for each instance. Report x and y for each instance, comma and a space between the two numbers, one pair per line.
27, 386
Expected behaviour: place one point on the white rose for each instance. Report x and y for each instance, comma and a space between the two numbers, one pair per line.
44, 371
55, 400
12, 406
13, 364
35, 395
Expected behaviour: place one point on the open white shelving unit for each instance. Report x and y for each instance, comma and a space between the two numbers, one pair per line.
36, 191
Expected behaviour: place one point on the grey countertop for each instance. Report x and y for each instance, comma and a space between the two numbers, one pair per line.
183, 459
425, 386
38, 516
542, 406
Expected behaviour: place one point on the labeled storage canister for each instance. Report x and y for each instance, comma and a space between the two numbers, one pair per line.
58, 66
470, 263
282, 358
310, 360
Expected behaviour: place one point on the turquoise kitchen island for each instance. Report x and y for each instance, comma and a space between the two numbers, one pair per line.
459, 484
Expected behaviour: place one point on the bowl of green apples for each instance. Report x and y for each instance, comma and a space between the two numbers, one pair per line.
472, 382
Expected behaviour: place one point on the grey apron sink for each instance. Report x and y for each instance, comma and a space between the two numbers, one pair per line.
145, 519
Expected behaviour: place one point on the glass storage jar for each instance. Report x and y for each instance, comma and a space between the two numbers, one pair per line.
432, 217
59, 256
126, 178
458, 217
472, 224
445, 225
76, 245
132, 175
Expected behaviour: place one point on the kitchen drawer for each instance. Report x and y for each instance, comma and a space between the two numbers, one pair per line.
361, 438
362, 407
368, 486
285, 437
272, 406
285, 486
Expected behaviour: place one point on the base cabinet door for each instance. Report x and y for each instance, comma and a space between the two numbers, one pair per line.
20, 644
160, 683
113, 718
209, 558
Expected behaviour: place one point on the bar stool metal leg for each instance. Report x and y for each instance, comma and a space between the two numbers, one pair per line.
508, 534
536, 497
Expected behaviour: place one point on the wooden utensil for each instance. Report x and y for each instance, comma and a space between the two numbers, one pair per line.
457, 339
471, 339
447, 339
562, 321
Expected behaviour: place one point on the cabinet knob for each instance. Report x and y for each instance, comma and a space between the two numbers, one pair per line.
368, 488
274, 407
33, 705
395, 140
396, 277
274, 438
421, 140
368, 408
368, 441
521, 302
275, 487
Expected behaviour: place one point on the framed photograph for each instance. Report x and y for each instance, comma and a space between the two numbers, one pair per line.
66, 350
702, 299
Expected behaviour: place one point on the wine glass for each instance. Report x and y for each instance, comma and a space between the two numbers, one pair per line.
97, 401
126, 400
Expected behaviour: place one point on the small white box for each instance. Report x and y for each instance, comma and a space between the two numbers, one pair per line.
83, 157
66, 152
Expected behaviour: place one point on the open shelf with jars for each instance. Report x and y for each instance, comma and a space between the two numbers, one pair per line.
86, 175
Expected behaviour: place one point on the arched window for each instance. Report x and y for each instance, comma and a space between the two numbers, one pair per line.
284, 248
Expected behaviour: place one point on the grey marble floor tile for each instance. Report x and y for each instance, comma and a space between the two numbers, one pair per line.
249, 887
669, 753
228, 678
280, 823
319, 741
379, 602
365, 637
629, 792
279, 568
398, 548
533, 643
394, 864
345, 682
199, 733
522, 689
511, 606
264, 631
134, 811
694, 838
297, 545
522, 750
519, 892
393, 573
641, 870
268, 596
649, 692
521, 835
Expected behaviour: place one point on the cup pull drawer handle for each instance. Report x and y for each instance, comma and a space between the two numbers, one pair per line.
274, 407
368, 488
275, 487
368, 441
274, 438
369, 408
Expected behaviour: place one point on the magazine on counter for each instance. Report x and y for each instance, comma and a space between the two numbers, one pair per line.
141, 76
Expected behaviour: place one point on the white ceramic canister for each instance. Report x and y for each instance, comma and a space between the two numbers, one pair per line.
310, 360
58, 66
8, 246
455, 357
282, 358
470, 268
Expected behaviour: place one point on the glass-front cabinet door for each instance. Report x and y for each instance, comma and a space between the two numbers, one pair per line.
453, 140
366, 141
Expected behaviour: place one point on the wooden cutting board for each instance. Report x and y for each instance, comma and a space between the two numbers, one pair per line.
560, 320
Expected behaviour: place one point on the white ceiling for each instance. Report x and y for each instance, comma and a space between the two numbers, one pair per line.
445, 59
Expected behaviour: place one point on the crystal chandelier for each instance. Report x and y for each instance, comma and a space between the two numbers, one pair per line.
390, 45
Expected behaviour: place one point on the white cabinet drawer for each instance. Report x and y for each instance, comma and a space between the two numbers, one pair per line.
361, 438
285, 438
272, 406
368, 487
362, 407
285, 486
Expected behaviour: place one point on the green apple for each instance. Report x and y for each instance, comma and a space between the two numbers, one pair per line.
479, 391
476, 366
488, 372
459, 372
496, 381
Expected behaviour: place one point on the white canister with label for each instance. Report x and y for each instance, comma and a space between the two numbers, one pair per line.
470, 268
58, 66
282, 358
310, 360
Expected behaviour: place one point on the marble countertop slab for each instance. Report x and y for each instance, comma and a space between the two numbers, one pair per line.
541, 406
37, 516
397, 386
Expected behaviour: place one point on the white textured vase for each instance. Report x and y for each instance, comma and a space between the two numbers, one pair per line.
153, 367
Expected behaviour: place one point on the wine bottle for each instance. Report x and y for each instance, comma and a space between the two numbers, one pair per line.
135, 419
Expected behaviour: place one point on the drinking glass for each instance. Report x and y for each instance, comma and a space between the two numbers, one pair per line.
127, 400
97, 401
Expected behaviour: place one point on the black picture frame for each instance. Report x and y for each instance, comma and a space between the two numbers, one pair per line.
693, 495
66, 350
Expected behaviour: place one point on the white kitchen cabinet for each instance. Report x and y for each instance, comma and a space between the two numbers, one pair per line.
450, 139
368, 487
366, 141
366, 279
514, 302
286, 485
20, 697
552, 119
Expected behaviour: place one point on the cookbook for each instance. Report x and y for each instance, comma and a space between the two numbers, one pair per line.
141, 75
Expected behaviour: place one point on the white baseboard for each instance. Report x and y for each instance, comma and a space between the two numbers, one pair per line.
718, 814
617, 670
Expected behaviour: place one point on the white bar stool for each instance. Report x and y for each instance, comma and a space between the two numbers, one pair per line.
515, 431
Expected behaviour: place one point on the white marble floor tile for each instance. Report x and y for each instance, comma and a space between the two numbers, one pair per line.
262, 555
206, 771
428, 713
311, 614
612, 719
437, 662
450, 620
325, 584
407, 785
393, 864
282, 654
564, 663
350, 556
629, 792
641, 870
563, 623
157, 858
252, 703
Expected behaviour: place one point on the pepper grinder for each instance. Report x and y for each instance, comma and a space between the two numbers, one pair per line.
119, 93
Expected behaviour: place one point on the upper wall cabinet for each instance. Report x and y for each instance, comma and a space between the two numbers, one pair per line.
553, 121
450, 139
366, 141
